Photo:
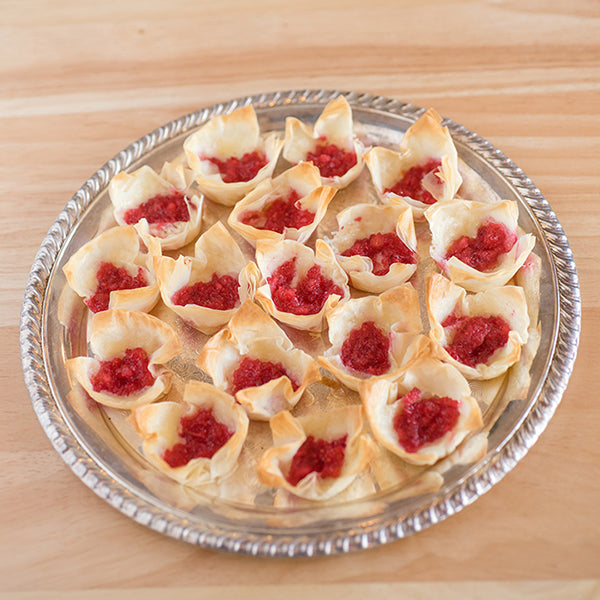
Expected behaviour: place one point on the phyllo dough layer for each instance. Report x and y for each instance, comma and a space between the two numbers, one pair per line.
300, 184
218, 274
333, 134
158, 206
464, 221
300, 286
384, 400
375, 336
234, 137
448, 304
94, 271
117, 339
423, 172
161, 424
342, 427
375, 224
253, 335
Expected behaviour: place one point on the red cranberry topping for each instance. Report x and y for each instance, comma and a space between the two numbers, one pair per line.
219, 293
331, 160
411, 183
483, 251
203, 435
366, 349
111, 278
160, 209
235, 169
419, 422
475, 339
279, 214
308, 297
124, 375
383, 249
321, 456
253, 372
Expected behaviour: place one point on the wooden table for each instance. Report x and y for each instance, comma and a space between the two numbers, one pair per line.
84, 79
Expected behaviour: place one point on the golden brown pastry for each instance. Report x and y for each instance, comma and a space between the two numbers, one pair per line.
207, 289
480, 334
425, 170
289, 206
316, 456
129, 352
253, 359
158, 206
423, 415
230, 156
300, 286
476, 244
331, 145
110, 271
374, 336
376, 246
196, 441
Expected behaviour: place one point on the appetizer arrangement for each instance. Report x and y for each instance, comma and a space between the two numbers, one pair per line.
408, 303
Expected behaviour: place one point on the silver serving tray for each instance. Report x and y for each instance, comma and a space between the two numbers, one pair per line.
102, 457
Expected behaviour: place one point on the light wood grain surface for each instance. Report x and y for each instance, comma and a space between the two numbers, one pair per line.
81, 80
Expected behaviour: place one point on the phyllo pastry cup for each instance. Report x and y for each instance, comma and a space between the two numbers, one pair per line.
196, 441
385, 233
129, 352
158, 206
480, 334
253, 351
207, 289
477, 244
111, 271
439, 411
374, 337
289, 206
335, 439
425, 170
300, 286
229, 156
331, 145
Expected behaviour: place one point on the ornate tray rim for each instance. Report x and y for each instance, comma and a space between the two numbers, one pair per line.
463, 493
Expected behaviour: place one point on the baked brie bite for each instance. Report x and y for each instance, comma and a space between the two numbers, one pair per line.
230, 156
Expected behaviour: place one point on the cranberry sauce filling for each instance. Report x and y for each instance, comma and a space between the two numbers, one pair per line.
483, 251
219, 293
411, 183
475, 339
308, 297
331, 160
235, 169
281, 213
203, 435
124, 375
111, 278
321, 456
384, 249
253, 372
366, 349
419, 422
160, 209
